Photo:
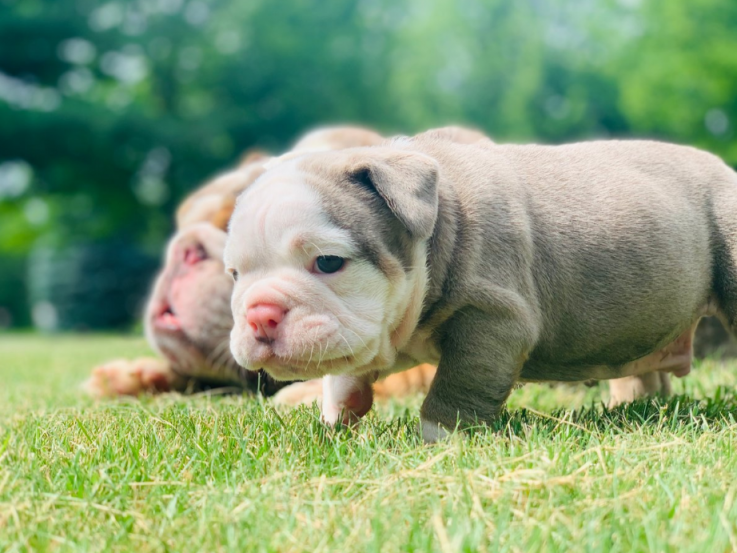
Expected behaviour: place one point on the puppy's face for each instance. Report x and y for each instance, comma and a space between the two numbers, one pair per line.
188, 316
328, 256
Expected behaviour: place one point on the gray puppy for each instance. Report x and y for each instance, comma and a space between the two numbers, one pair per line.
502, 263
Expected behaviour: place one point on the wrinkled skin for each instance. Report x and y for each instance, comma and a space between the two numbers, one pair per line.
188, 316
188, 321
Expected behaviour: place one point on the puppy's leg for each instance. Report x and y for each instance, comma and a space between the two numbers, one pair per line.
481, 359
412, 381
347, 398
124, 377
630, 388
300, 393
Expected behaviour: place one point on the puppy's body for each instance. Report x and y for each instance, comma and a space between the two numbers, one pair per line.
602, 249
503, 263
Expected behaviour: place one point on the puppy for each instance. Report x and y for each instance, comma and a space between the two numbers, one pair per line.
502, 263
188, 317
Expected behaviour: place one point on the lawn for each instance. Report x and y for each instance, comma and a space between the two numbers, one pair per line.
214, 473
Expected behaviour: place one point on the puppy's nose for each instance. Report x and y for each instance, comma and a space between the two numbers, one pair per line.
263, 318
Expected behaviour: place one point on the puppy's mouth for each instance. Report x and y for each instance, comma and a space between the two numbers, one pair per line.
291, 368
165, 319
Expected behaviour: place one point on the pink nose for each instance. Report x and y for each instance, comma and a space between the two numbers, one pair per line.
263, 318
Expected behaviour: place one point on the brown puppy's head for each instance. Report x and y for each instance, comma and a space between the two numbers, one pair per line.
337, 138
188, 316
214, 202
459, 135
329, 255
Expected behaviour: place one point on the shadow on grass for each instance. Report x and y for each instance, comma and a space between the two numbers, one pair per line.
679, 414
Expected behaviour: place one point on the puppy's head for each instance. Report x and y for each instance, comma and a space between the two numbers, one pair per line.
328, 254
337, 138
214, 202
188, 316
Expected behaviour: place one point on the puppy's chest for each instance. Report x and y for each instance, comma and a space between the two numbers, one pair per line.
421, 348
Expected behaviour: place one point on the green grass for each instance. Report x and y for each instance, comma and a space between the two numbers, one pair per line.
558, 473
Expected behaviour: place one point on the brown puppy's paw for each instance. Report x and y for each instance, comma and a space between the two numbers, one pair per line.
300, 393
630, 388
122, 377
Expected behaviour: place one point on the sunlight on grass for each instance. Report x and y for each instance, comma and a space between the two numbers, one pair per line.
558, 472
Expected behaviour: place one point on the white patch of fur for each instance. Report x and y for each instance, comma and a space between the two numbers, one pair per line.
278, 160
336, 392
433, 432
334, 323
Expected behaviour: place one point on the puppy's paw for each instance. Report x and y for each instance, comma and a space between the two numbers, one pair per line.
630, 388
346, 399
122, 377
433, 432
299, 393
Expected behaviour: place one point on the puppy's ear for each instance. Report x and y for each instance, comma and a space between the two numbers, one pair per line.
459, 135
215, 201
407, 182
221, 218
253, 155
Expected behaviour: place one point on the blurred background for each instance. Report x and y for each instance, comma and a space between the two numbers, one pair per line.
110, 112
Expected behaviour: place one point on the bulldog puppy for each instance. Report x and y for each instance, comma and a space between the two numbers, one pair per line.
502, 263
188, 317
188, 321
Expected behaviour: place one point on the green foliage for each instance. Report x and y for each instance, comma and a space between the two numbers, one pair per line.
119, 108
90, 285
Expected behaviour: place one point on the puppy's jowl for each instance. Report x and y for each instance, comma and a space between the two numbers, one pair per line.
188, 318
502, 263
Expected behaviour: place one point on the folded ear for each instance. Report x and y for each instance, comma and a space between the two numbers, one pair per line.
214, 202
253, 155
406, 181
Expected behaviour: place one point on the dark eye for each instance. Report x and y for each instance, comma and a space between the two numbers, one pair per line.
329, 264
234, 274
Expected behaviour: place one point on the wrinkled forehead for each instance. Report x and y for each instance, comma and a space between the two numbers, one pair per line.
211, 238
282, 212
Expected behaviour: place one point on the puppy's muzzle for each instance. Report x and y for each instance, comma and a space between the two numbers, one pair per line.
263, 319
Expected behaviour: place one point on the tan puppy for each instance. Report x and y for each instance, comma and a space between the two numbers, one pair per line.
504, 264
188, 317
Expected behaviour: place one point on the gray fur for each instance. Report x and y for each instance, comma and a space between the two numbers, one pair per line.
556, 263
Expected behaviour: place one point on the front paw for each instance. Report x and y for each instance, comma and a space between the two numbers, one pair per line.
433, 432
346, 398
122, 377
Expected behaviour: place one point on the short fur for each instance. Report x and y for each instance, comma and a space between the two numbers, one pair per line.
567, 263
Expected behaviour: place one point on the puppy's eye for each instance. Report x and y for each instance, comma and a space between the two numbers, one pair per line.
329, 264
234, 274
